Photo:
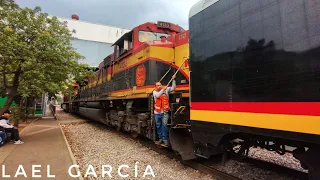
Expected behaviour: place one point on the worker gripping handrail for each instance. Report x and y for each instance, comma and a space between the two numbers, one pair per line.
186, 58
162, 107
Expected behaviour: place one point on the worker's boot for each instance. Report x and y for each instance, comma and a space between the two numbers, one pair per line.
158, 142
166, 143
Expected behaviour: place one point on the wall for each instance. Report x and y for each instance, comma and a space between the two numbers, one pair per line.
94, 52
94, 41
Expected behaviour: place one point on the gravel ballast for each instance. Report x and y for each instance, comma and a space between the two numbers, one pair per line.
244, 170
286, 160
94, 145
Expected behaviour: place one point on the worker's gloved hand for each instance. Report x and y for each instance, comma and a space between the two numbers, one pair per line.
174, 76
164, 87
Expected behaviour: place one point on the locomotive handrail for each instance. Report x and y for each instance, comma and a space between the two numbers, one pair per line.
179, 109
165, 74
178, 69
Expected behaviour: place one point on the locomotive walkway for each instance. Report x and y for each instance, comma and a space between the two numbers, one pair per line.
44, 145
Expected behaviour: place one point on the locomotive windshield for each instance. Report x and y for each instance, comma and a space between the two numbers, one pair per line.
145, 36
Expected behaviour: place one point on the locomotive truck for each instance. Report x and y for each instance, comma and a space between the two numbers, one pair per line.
254, 80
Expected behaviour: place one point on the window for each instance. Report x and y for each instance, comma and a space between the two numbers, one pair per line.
124, 44
145, 36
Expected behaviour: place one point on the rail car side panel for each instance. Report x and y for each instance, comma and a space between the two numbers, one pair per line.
246, 55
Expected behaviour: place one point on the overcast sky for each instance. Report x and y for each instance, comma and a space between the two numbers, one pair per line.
121, 13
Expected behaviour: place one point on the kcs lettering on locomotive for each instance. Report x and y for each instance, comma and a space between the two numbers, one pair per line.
123, 63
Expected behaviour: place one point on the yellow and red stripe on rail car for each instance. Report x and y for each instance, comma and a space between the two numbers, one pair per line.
303, 117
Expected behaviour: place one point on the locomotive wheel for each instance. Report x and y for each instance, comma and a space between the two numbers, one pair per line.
176, 153
118, 128
225, 157
134, 134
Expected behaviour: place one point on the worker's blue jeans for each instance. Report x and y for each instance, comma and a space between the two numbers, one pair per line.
161, 127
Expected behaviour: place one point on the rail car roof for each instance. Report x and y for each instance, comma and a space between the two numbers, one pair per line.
200, 6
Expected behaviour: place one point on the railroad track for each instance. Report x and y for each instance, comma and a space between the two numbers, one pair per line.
216, 174
208, 166
219, 175
276, 168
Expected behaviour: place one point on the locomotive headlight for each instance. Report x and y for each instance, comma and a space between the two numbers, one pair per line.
177, 100
183, 81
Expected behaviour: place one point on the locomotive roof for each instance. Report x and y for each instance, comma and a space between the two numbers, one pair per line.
200, 6
126, 35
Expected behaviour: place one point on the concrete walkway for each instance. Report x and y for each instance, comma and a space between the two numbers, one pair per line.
48, 114
44, 145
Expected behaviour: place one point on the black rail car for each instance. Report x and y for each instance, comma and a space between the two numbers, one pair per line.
255, 77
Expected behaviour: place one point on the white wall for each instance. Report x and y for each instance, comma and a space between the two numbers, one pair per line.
94, 52
95, 32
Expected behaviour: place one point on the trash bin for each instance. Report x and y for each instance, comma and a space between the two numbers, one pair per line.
2, 138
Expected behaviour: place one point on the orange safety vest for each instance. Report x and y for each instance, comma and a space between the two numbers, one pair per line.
162, 103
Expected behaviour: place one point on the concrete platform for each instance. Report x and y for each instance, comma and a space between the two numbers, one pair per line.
44, 145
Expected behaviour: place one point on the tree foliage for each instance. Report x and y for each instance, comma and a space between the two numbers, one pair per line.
36, 54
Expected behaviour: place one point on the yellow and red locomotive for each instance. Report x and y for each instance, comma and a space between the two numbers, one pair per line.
119, 95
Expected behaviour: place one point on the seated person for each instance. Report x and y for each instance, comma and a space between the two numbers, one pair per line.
4, 122
7, 113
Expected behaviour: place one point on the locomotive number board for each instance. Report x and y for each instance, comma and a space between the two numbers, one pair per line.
164, 24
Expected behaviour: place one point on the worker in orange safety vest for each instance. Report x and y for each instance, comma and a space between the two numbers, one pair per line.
161, 107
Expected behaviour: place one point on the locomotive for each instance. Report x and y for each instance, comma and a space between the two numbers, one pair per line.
253, 80
120, 93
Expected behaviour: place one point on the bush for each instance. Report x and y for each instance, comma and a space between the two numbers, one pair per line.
30, 111
16, 114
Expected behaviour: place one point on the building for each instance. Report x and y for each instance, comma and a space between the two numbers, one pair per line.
94, 41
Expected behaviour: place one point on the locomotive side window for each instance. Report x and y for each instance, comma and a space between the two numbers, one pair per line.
124, 44
120, 49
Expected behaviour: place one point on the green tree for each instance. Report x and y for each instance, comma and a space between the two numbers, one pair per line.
36, 54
